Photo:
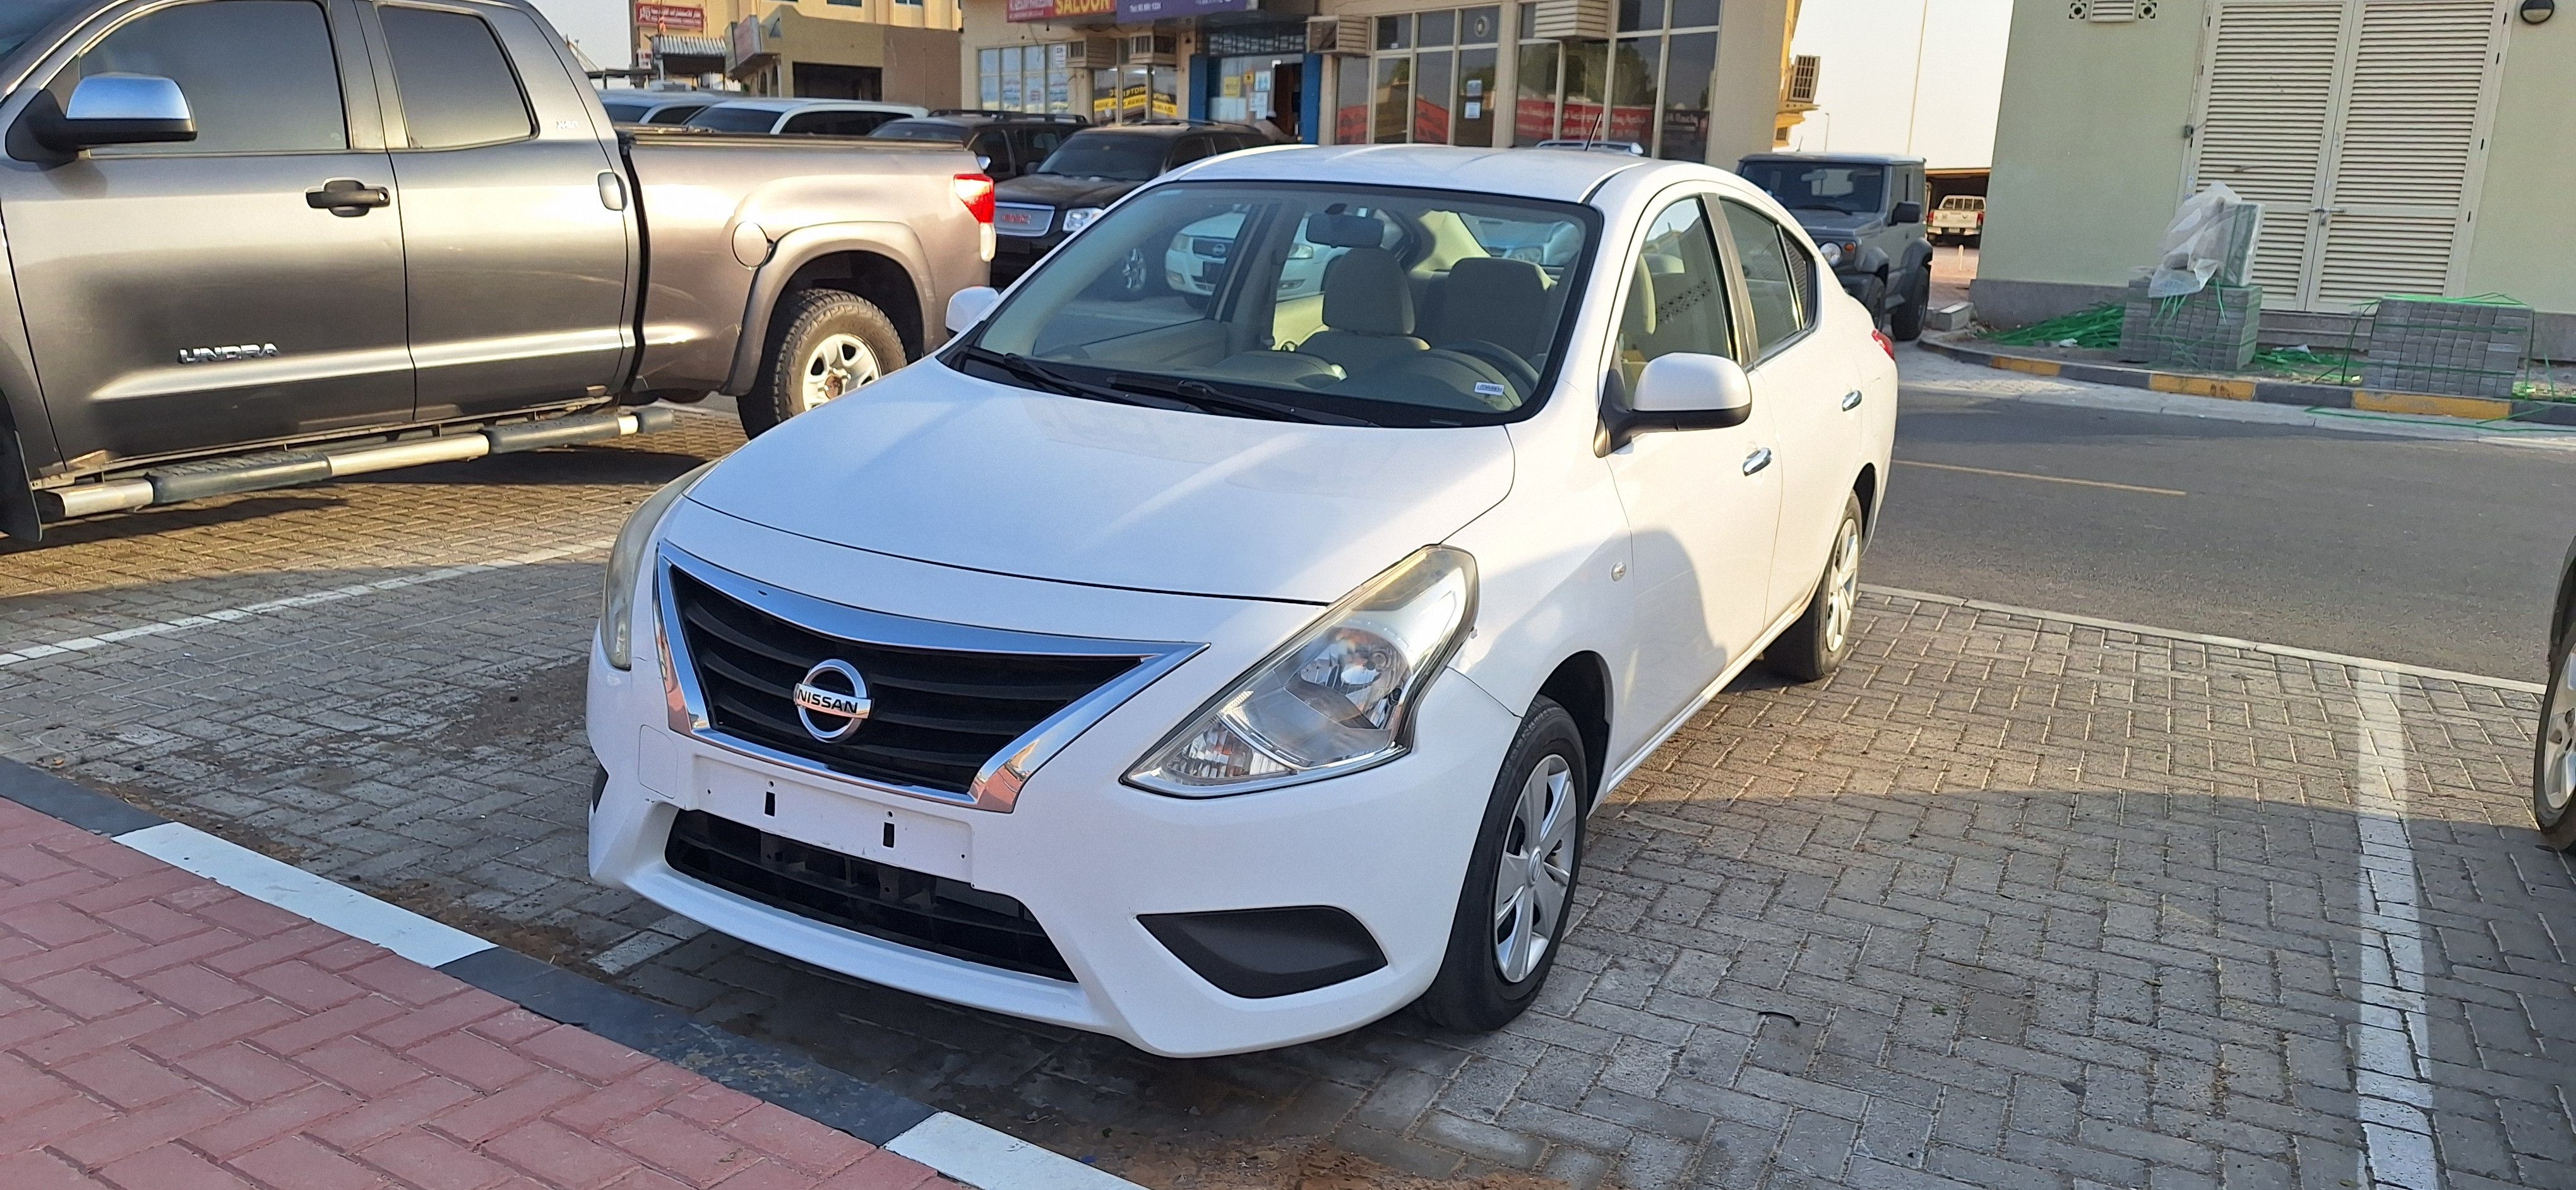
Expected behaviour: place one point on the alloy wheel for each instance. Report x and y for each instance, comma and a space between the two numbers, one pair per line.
1536, 873
1842, 587
2558, 743
837, 365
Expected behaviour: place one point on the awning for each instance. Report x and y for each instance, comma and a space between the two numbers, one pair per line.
690, 47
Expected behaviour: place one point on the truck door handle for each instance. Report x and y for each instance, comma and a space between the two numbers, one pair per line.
347, 197
1759, 459
1851, 400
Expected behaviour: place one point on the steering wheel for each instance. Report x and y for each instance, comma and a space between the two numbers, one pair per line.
1504, 360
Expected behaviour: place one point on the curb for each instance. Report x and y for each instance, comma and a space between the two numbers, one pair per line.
2269, 392
958, 1148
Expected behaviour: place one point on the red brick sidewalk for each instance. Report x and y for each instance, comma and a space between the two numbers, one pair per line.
161, 1032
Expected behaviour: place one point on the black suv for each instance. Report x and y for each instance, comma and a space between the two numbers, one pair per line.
1011, 143
1866, 211
1096, 167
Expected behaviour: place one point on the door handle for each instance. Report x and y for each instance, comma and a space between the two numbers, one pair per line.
1851, 400
348, 197
1759, 459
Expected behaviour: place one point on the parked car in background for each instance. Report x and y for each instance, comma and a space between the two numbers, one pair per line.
2553, 775
802, 117
1092, 169
1011, 143
315, 267
1314, 628
1866, 211
1960, 219
658, 107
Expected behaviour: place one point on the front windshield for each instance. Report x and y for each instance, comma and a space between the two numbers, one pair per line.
20, 19
1812, 186
1385, 305
1116, 156
920, 130
735, 119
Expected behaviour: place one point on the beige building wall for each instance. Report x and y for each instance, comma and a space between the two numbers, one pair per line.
2090, 155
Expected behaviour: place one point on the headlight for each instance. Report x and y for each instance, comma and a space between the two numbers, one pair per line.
617, 600
1079, 218
1833, 253
1338, 698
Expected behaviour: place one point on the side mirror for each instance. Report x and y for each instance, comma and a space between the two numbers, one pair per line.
968, 306
1907, 212
1681, 391
113, 109
983, 163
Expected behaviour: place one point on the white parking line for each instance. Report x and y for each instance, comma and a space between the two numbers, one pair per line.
297, 891
990, 1160
77, 644
2392, 1042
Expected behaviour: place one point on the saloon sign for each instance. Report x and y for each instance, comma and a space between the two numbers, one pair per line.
1061, 10
671, 16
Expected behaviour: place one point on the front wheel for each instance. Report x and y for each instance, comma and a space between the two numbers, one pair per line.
823, 344
2553, 775
1814, 647
1520, 881
1905, 323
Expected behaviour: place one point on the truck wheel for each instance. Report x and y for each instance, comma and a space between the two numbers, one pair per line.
1905, 322
822, 344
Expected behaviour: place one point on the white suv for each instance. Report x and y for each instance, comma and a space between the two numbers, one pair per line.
1222, 672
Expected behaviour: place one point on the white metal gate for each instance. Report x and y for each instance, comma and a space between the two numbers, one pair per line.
2361, 125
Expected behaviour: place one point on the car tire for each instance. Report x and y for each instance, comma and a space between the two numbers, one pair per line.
1905, 322
1814, 647
1873, 297
2553, 759
823, 344
1536, 812
1134, 278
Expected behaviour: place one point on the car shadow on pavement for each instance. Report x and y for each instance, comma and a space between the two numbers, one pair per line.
118, 526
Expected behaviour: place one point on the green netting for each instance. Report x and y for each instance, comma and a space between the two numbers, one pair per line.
2093, 326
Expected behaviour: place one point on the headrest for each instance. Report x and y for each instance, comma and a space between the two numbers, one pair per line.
1344, 231
1495, 299
1365, 291
1639, 319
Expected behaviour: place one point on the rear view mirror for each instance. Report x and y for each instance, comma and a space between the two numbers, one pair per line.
113, 109
1681, 391
1907, 212
966, 307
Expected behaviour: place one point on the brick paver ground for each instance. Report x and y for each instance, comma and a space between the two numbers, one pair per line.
160, 1032
2010, 902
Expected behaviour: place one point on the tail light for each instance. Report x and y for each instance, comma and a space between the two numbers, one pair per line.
976, 191
1885, 344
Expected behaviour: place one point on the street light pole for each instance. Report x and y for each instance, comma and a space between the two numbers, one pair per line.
1914, 102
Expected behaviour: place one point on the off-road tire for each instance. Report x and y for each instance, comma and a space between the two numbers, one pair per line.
1471, 994
1905, 322
1814, 647
802, 322
2558, 734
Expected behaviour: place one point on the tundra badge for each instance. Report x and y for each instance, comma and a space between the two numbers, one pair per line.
209, 355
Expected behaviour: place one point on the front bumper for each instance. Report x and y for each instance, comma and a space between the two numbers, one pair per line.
1087, 855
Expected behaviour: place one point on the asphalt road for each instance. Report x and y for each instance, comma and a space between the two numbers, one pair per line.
2432, 552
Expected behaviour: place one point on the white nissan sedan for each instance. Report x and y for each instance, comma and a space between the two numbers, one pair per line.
1225, 671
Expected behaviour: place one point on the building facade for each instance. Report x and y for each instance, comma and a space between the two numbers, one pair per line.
895, 50
2398, 147
1696, 80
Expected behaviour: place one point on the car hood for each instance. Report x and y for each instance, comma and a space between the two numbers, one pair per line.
932, 465
1062, 190
1835, 225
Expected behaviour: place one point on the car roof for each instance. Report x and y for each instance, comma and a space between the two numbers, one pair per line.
1846, 158
1559, 174
1171, 128
794, 105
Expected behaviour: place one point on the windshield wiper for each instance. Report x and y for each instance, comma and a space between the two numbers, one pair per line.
1045, 377
1203, 394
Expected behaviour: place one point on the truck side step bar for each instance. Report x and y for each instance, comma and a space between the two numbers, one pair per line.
224, 477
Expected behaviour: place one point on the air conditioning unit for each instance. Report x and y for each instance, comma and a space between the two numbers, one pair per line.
1571, 20
1094, 53
1151, 49
1346, 36
1803, 70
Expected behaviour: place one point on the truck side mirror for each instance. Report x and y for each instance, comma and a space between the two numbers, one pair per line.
968, 306
1907, 212
113, 109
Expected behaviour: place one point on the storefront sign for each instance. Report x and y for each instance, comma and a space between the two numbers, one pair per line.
673, 17
1059, 10
1166, 10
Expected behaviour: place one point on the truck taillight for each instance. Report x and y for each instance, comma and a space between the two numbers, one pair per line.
976, 191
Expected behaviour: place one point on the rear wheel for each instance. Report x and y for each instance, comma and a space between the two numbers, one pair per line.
1814, 647
1520, 881
2553, 776
823, 345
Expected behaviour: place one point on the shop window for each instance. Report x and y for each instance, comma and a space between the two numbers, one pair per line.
1435, 74
1032, 78
1650, 84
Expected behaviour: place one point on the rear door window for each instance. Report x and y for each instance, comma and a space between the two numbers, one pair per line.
457, 86
259, 76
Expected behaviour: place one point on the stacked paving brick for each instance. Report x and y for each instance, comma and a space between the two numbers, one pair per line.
2209, 331
2426, 345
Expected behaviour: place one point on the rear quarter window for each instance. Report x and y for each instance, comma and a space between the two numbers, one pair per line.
456, 85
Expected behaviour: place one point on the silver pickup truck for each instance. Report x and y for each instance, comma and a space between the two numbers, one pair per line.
253, 243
